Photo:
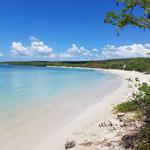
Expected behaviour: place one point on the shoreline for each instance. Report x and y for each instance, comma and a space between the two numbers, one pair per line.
81, 127
37, 124
85, 126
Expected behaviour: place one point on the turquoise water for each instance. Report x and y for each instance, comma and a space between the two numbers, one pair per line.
22, 86
37, 102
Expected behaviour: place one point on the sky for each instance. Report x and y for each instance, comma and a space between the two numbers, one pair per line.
65, 30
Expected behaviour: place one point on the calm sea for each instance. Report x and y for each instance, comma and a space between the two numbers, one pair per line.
22, 87
37, 102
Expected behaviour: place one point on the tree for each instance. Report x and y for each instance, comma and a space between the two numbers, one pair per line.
133, 12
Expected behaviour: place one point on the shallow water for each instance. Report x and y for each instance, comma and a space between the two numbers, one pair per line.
22, 86
37, 98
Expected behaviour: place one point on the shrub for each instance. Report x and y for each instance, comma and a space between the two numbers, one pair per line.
139, 102
126, 106
142, 146
144, 138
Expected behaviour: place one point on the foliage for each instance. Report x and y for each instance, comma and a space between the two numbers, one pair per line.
136, 64
144, 138
128, 13
139, 102
145, 131
140, 99
126, 107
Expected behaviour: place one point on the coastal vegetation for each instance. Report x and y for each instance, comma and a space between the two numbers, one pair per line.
136, 64
126, 106
139, 103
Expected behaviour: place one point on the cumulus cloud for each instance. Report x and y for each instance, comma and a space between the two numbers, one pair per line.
134, 50
18, 48
39, 49
74, 53
36, 48
78, 51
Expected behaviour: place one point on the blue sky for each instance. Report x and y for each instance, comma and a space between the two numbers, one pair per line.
65, 30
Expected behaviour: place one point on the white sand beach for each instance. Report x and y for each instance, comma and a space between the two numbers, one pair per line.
44, 134
85, 127
65, 82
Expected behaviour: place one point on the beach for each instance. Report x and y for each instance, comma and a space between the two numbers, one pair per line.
75, 75
37, 103
46, 131
85, 126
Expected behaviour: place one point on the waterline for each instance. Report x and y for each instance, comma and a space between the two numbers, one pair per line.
45, 99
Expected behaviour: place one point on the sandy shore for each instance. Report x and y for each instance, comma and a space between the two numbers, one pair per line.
30, 127
49, 131
85, 127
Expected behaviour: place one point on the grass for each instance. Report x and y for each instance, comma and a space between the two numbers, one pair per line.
126, 107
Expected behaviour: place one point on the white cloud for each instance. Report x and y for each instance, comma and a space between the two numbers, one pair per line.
1, 54
73, 53
134, 50
52, 55
64, 55
95, 50
40, 47
36, 48
18, 48
32, 38
78, 51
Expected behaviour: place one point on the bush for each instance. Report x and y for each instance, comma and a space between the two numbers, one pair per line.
142, 146
139, 102
126, 106
145, 131
144, 138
